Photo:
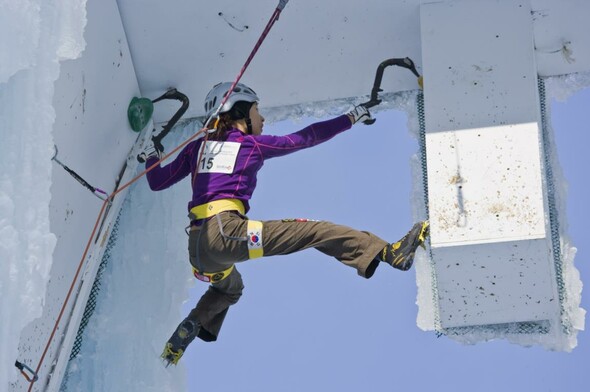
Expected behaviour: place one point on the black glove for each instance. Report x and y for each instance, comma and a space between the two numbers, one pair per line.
151, 149
360, 113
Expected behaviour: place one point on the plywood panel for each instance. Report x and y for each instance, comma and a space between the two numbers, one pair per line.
485, 185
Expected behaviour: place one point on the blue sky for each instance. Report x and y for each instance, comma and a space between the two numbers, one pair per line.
307, 323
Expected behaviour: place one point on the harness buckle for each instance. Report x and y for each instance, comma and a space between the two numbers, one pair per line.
213, 277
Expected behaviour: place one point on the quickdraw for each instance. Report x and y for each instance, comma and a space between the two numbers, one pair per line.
102, 195
24, 369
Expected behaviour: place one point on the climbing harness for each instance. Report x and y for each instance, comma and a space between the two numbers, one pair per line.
253, 237
214, 207
212, 277
102, 195
107, 202
405, 62
253, 231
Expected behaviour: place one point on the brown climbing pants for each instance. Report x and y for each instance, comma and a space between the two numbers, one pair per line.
211, 250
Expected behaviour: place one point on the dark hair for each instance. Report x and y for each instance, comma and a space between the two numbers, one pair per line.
224, 124
240, 110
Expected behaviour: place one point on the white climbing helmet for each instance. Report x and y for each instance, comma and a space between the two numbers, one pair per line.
241, 92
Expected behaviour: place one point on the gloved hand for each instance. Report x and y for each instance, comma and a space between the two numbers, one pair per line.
360, 113
150, 150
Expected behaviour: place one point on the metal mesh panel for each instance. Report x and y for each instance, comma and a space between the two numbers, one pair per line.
534, 328
553, 211
424, 163
94, 292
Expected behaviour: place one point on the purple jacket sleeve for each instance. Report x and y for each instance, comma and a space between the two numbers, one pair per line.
314, 134
160, 178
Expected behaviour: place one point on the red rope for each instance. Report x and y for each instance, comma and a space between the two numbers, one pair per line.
273, 19
88, 244
271, 22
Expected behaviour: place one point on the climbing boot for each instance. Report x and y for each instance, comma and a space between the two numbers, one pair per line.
179, 341
400, 255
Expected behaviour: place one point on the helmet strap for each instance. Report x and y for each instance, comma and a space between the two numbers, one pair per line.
249, 125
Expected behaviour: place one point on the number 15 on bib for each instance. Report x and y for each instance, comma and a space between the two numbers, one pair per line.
218, 157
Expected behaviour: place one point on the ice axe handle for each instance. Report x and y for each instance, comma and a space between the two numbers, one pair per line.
405, 62
171, 94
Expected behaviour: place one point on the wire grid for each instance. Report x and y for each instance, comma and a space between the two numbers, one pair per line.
94, 292
553, 211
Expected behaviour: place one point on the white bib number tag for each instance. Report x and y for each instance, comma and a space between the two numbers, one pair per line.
218, 157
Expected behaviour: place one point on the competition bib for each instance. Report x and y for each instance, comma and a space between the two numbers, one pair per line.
218, 157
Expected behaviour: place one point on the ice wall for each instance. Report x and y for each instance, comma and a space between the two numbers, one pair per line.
36, 36
89, 126
144, 281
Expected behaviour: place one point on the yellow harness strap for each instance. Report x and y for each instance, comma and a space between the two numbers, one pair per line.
213, 277
214, 207
254, 231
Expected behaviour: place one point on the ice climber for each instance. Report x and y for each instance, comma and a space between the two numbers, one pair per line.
223, 177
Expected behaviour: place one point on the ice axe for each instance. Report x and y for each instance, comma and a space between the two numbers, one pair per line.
170, 94
405, 62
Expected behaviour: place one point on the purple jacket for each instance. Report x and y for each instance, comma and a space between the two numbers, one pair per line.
253, 151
